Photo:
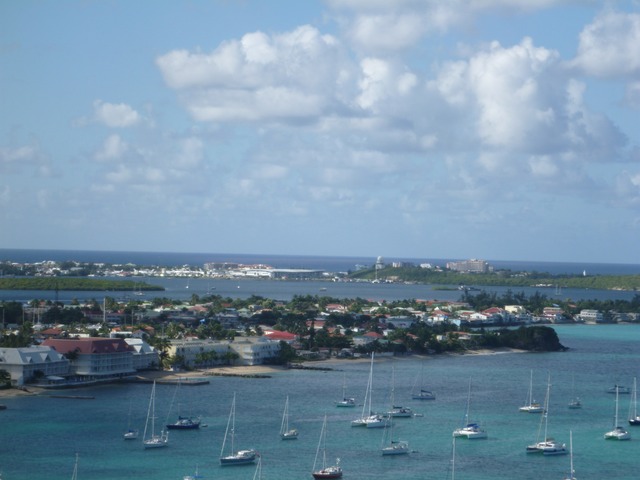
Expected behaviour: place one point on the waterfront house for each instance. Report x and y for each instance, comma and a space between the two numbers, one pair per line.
29, 363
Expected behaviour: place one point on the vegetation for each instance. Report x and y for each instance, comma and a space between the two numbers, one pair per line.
506, 278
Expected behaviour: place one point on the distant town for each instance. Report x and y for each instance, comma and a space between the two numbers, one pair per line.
51, 344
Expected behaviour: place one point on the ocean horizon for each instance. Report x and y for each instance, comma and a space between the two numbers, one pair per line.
318, 262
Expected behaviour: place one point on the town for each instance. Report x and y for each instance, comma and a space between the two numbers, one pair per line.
50, 344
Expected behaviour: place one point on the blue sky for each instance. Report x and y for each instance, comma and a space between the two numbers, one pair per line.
495, 129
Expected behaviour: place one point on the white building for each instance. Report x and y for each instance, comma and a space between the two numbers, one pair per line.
255, 350
591, 316
250, 350
144, 355
27, 363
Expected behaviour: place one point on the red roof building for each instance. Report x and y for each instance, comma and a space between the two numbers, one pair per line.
96, 358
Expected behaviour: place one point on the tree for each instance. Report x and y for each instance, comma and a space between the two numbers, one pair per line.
5, 379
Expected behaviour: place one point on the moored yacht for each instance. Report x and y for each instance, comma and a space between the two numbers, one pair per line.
618, 432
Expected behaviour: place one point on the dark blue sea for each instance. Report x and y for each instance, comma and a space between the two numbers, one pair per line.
40, 436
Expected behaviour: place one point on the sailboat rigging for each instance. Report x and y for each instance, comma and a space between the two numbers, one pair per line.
240, 457
131, 433
183, 422
634, 418
287, 433
418, 392
469, 430
548, 446
153, 441
346, 401
531, 406
325, 472
618, 432
394, 447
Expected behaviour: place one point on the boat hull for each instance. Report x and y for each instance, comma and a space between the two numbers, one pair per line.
240, 458
328, 473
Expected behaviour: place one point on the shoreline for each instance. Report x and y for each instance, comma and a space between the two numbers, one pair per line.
250, 371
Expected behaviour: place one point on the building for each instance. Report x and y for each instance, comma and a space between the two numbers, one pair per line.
591, 316
30, 363
247, 350
470, 266
95, 359
255, 350
145, 356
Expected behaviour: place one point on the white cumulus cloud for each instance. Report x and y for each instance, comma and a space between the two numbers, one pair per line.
610, 46
115, 115
292, 75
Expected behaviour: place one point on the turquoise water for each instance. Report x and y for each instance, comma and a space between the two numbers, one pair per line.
39, 437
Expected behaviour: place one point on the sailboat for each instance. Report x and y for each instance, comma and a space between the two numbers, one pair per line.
240, 457
325, 472
368, 418
287, 433
618, 432
182, 423
394, 447
575, 402
346, 401
634, 418
195, 476
397, 411
74, 475
418, 392
153, 441
531, 406
572, 472
548, 446
131, 433
469, 430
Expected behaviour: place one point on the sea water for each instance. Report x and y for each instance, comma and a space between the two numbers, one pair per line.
40, 436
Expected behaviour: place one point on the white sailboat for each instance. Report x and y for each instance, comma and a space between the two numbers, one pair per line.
153, 440
618, 432
131, 433
575, 402
368, 418
393, 447
634, 418
418, 392
233, 457
469, 430
548, 446
287, 433
531, 405
325, 471
346, 401
572, 472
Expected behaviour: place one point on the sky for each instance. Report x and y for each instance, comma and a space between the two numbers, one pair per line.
493, 129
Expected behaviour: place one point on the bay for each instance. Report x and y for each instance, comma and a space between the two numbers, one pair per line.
40, 436
183, 289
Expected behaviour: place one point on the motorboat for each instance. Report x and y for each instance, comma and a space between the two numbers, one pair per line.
184, 423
